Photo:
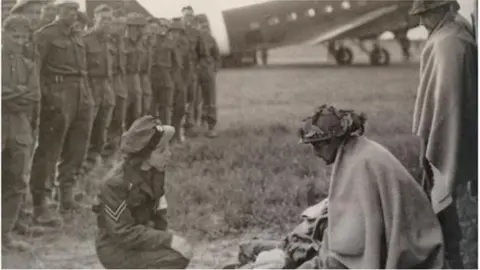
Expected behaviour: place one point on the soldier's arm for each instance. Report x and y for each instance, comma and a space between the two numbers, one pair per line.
215, 51
121, 226
42, 40
201, 47
10, 88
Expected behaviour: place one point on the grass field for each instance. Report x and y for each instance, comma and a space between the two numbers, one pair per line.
254, 180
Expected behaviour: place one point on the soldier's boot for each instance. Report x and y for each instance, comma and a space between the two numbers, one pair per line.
11, 244
24, 227
42, 214
68, 204
211, 133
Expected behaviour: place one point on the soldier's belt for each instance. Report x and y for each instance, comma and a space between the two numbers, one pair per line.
57, 78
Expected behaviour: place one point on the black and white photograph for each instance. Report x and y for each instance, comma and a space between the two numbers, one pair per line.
239, 134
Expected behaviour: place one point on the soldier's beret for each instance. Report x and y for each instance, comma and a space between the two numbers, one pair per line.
187, 8
177, 25
141, 132
422, 6
16, 22
68, 3
102, 8
136, 19
18, 7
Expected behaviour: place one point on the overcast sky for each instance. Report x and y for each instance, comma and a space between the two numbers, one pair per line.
171, 8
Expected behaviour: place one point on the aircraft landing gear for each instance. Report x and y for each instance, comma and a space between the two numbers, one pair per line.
342, 54
379, 56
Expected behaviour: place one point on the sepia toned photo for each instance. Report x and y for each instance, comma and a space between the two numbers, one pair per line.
239, 134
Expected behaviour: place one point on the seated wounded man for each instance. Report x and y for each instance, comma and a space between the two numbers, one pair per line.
378, 215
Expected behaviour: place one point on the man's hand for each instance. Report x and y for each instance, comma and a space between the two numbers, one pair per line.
182, 246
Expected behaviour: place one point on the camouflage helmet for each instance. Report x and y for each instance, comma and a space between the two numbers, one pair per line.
421, 6
21, 4
136, 19
328, 122
16, 22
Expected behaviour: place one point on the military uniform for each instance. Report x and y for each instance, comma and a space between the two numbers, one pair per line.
132, 78
197, 53
132, 208
20, 95
207, 82
162, 81
116, 127
66, 112
181, 74
100, 54
145, 62
30, 52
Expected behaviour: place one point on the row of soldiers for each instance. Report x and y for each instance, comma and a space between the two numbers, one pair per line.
70, 92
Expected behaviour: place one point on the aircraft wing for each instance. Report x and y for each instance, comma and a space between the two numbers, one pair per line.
374, 22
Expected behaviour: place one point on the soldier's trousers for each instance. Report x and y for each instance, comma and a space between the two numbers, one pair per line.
192, 93
163, 94
66, 120
114, 257
104, 100
146, 85
17, 145
207, 83
179, 99
117, 124
134, 99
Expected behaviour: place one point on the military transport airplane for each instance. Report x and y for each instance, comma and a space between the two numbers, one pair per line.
241, 32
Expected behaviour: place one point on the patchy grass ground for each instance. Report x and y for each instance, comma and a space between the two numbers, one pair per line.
255, 179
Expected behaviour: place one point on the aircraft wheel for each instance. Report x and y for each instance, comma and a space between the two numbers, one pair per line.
379, 57
344, 56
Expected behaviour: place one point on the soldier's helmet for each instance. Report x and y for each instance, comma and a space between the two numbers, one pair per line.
142, 132
421, 6
177, 25
16, 22
136, 19
68, 3
18, 7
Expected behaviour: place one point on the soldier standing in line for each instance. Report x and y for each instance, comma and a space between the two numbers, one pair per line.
30, 9
132, 204
99, 62
207, 81
117, 124
66, 112
20, 94
145, 62
181, 73
163, 72
135, 24
197, 52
